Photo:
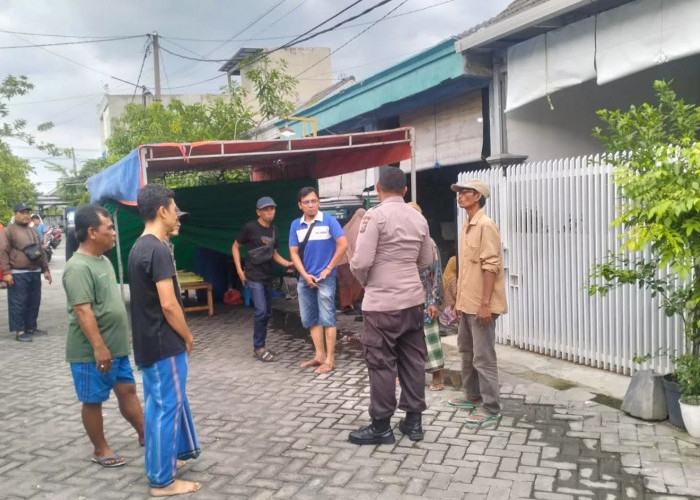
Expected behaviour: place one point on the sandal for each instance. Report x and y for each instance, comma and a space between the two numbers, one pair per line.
265, 356
462, 402
107, 462
436, 387
477, 418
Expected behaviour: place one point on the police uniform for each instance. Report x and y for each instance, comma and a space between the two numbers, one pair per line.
392, 245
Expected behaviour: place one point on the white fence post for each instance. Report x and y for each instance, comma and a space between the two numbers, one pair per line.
554, 218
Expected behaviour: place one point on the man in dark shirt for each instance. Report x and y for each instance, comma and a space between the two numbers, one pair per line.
261, 240
162, 341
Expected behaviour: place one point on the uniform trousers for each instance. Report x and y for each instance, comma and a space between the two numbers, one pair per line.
477, 344
169, 429
393, 342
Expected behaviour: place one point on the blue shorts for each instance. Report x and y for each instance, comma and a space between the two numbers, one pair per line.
91, 386
317, 305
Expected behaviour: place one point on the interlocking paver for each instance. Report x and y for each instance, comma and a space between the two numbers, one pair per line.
277, 431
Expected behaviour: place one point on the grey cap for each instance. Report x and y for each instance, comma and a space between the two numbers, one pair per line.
265, 201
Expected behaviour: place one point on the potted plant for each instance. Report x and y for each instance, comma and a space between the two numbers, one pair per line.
687, 374
655, 154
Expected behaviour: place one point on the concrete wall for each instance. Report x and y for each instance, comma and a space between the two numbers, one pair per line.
113, 106
543, 133
298, 60
448, 133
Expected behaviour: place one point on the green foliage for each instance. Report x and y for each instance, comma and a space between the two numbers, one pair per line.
14, 86
71, 186
655, 155
15, 186
225, 117
687, 375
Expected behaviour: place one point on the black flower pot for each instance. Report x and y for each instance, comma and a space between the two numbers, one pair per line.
673, 394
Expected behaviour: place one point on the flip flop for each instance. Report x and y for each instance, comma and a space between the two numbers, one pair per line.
462, 402
481, 418
265, 356
116, 461
436, 387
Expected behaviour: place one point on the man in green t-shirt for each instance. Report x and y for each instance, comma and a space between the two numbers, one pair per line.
97, 346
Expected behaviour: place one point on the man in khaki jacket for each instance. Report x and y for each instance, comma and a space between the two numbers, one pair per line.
22, 261
392, 245
481, 298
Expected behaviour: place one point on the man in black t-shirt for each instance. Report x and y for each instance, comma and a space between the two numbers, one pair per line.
162, 341
261, 240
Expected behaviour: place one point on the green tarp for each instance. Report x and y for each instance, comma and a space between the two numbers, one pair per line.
216, 215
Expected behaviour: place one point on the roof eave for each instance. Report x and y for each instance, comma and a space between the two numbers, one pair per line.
522, 20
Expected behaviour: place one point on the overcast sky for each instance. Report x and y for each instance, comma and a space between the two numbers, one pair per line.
70, 80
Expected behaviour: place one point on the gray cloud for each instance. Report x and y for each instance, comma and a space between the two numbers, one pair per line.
384, 45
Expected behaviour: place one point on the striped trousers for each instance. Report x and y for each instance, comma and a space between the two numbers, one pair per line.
169, 429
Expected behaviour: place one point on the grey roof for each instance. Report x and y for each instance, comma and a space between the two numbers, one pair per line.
515, 7
575, 12
232, 65
327, 92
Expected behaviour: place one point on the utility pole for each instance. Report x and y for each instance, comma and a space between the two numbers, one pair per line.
156, 65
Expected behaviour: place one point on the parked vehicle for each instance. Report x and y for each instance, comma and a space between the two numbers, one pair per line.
71, 240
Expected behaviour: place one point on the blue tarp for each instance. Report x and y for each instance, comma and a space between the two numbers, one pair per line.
120, 182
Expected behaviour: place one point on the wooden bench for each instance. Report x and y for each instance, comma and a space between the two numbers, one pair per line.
202, 285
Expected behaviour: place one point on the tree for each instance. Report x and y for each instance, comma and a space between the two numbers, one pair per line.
71, 186
655, 155
14, 172
15, 186
225, 117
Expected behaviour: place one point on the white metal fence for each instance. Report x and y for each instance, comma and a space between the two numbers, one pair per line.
554, 219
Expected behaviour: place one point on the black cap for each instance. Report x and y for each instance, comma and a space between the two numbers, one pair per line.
21, 207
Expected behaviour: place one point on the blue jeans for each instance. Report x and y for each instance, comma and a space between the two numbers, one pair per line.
23, 299
262, 301
317, 305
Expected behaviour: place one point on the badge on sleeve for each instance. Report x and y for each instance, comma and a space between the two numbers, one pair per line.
364, 222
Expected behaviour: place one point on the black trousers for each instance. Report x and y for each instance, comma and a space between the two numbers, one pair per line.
393, 343
23, 299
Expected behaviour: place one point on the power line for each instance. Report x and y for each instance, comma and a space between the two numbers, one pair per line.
71, 60
143, 61
39, 45
64, 36
284, 37
52, 100
248, 26
353, 38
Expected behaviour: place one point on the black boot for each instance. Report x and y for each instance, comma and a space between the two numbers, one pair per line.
411, 426
378, 432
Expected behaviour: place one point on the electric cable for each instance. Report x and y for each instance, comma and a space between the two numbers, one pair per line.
149, 44
351, 39
64, 36
40, 45
284, 37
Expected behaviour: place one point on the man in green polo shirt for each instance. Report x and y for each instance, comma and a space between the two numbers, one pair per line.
97, 345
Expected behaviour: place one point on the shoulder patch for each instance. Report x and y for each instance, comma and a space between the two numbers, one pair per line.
364, 222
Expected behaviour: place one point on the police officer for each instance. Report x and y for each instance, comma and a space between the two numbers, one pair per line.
392, 245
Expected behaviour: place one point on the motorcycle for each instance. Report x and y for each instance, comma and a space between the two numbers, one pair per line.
53, 239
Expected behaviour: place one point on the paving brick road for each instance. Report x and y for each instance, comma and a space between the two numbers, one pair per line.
277, 431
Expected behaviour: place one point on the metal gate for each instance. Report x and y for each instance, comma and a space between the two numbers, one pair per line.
554, 218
